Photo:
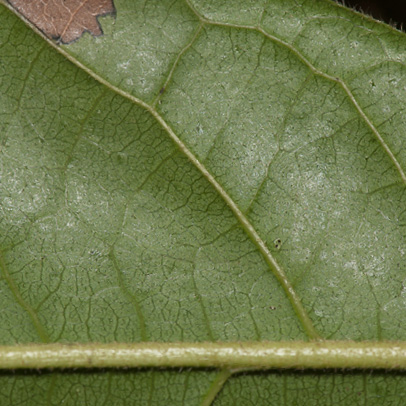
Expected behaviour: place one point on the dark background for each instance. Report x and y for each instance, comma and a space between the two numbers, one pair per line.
390, 11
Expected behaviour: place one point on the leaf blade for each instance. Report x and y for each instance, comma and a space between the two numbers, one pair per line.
366, 199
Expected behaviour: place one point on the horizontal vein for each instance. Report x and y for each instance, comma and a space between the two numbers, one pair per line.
247, 226
231, 356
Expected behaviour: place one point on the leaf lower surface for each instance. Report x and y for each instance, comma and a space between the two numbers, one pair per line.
110, 233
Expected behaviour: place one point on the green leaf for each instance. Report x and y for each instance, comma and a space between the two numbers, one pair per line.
205, 171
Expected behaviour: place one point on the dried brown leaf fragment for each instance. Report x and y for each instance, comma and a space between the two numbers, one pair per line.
64, 20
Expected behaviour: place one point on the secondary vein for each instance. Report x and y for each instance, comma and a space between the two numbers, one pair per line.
276, 269
320, 73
